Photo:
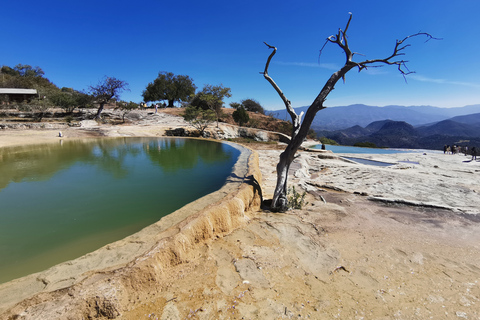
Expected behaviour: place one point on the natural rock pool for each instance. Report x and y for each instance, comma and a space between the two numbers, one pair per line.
60, 201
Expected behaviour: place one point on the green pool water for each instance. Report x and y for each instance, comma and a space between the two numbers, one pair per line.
60, 201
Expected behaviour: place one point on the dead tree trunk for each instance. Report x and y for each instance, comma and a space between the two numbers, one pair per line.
300, 128
99, 110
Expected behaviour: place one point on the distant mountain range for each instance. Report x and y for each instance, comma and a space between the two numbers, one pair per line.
400, 134
338, 118
423, 127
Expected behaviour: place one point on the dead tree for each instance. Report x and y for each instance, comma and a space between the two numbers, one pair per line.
300, 128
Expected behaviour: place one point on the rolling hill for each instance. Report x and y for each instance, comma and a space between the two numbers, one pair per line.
338, 118
400, 134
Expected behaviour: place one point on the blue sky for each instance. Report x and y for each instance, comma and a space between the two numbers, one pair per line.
215, 42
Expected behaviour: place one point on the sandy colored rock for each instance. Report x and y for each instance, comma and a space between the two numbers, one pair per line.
399, 242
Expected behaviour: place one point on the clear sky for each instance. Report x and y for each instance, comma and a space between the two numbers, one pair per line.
77, 43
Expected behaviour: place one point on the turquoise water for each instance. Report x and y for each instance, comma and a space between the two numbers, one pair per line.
58, 202
370, 162
349, 149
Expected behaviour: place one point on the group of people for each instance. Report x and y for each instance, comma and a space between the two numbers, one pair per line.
447, 149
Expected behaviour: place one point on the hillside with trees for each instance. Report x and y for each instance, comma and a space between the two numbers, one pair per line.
69, 105
50, 96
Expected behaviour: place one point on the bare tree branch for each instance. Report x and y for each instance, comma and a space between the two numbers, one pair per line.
269, 79
341, 39
398, 49
296, 119
301, 128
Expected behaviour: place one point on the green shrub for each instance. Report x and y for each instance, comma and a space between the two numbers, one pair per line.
328, 141
295, 200
365, 144
240, 116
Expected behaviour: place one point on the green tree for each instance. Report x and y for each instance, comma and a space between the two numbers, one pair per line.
211, 97
169, 87
328, 141
25, 70
240, 116
199, 118
252, 106
69, 99
64, 100
6, 70
235, 105
40, 105
107, 89
25, 76
365, 144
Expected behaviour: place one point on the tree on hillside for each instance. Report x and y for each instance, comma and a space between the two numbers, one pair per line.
107, 89
235, 105
64, 100
169, 87
240, 116
23, 70
252, 105
211, 97
28, 77
301, 128
25, 76
69, 99
199, 118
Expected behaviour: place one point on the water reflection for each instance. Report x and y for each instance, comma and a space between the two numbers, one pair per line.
175, 154
41, 162
61, 201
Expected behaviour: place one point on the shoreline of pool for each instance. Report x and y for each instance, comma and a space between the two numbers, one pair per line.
138, 246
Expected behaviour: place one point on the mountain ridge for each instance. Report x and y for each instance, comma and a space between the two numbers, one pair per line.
343, 117
400, 134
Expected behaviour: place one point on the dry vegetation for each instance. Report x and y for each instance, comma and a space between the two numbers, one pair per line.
257, 120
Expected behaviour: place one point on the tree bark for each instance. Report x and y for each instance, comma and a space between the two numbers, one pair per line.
99, 111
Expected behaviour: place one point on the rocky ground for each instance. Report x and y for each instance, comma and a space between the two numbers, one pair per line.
343, 256
398, 242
